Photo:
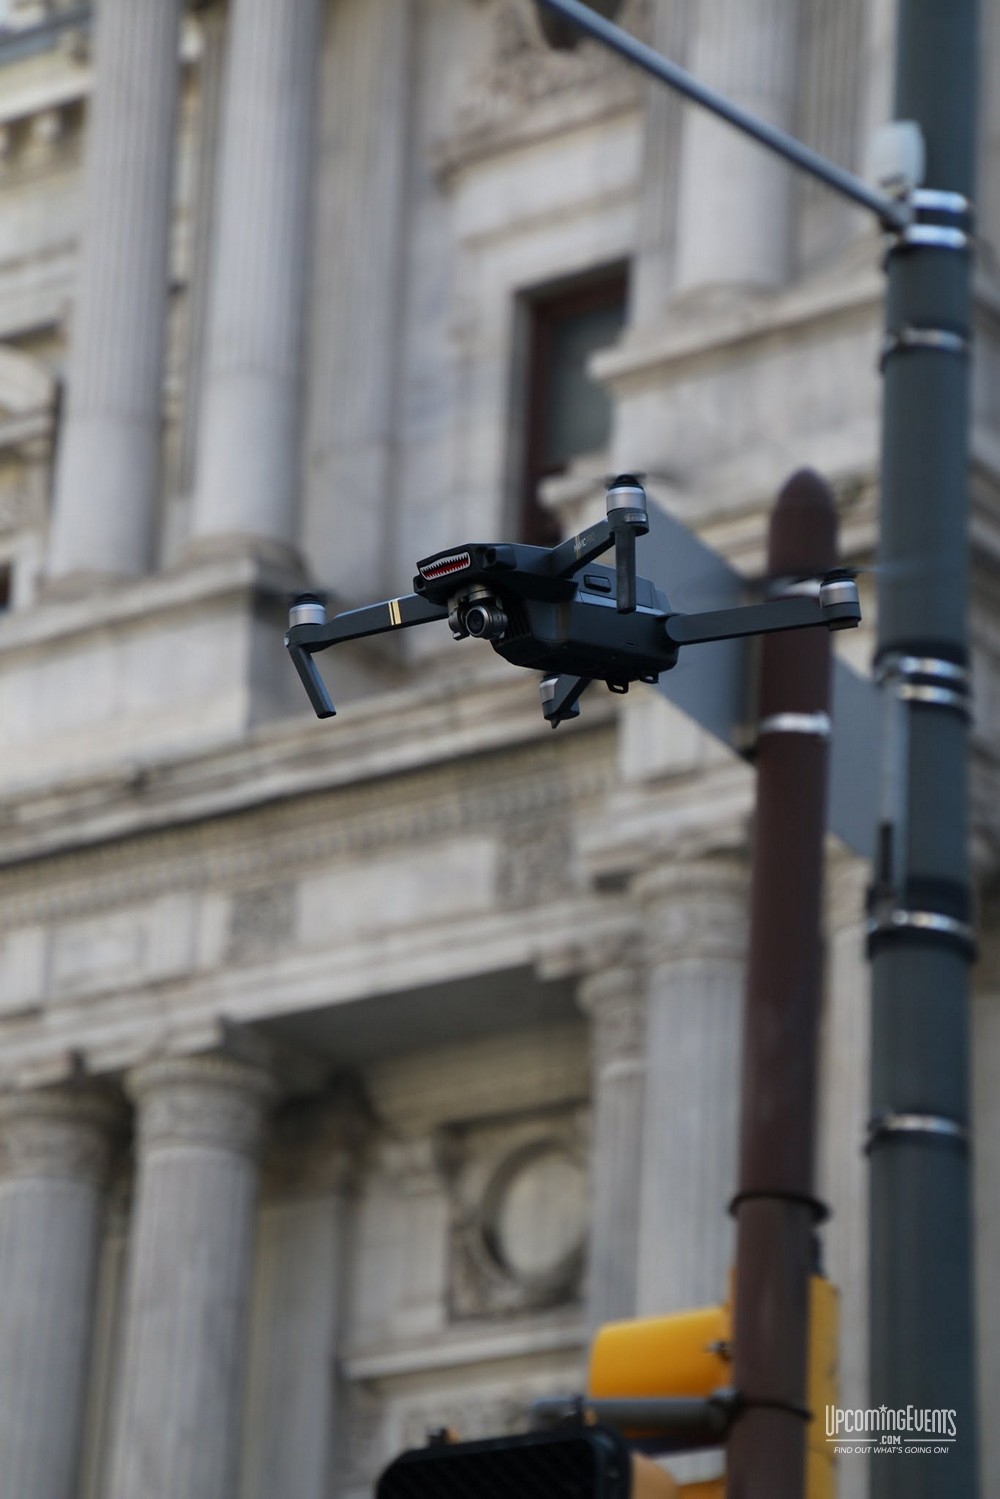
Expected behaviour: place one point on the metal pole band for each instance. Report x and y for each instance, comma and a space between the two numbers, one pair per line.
899, 922
938, 200
930, 237
926, 679
816, 724
936, 340
750, 1402
819, 1209
941, 221
936, 1126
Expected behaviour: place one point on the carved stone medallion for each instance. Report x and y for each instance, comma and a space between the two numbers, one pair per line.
520, 1213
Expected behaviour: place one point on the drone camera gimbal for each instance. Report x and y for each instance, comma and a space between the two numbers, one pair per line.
558, 611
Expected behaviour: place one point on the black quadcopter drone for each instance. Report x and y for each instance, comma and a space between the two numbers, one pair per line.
555, 610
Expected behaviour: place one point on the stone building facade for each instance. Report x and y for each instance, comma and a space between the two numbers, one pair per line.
350, 1072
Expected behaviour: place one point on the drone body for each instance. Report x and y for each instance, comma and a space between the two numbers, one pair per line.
554, 623
557, 611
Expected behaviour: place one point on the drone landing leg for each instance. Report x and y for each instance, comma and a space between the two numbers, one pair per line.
310, 631
561, 697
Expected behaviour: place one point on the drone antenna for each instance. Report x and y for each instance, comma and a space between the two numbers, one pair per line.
628, 518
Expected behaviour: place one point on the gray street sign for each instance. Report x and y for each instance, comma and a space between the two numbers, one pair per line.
714, 683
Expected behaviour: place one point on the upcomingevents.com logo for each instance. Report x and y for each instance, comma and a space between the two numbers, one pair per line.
883, 1429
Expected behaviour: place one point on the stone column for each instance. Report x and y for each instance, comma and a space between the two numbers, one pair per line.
55, 1150
293, 1437
615, 999
362, 209
734, 212
877, 65
180, 1388
248, 444
695, 920
107, 482
654, 265
842, 1167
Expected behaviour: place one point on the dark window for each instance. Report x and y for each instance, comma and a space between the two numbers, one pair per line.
5, 585
568, 413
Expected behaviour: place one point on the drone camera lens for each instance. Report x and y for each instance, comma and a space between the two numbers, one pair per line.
486, 621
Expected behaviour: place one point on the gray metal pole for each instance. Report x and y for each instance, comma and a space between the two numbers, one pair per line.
775, 1207
889, 210
920, 939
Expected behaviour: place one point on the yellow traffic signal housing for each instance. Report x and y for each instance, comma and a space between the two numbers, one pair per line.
821, 1387
652, 1482
684, 1357
687, 1356
681, 1356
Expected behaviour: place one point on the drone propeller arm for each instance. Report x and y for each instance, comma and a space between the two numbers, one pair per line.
373, 619
316, 634
796, 613
578, 550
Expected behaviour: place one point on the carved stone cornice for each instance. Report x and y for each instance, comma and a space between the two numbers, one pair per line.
501, 1075
694, 910
65, 1133
211, 1101
524, 89
264, 846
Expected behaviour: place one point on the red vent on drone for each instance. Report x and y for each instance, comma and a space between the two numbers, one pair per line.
442, 567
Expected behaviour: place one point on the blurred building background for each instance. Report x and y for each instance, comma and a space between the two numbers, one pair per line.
351, 1071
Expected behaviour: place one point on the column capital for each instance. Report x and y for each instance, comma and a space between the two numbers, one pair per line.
317, 1145
847, 881
694, 909
66, 1132
212, 1101
615, 999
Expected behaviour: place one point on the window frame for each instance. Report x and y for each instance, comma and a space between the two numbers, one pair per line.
545, 308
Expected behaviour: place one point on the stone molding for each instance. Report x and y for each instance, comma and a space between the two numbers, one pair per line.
715, 324
694, 910
536, 861
498, 1076
207, 1101
507, 98
267, 844
378, 1425
59, 1133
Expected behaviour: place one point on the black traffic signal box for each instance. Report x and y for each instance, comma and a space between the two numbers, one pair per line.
572, 1462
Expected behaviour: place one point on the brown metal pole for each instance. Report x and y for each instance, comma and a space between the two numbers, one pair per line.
775, 1207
